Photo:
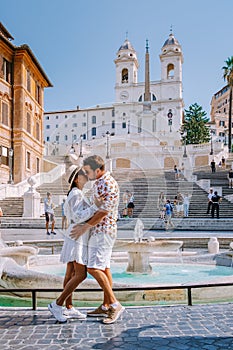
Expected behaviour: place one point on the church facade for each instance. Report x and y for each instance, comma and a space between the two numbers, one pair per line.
148, 109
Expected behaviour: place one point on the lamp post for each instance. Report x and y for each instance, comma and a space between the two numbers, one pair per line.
211, 143
11, 152
225, 136
185, 152
81, 147
108, 151
58, 139
72, 136
72, 149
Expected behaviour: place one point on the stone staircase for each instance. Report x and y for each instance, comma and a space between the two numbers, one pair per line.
146, 186
12, 206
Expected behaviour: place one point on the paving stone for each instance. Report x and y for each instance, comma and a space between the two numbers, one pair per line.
155, 327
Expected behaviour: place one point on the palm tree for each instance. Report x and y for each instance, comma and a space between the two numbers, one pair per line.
228, 76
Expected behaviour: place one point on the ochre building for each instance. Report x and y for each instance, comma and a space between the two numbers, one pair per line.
22, 83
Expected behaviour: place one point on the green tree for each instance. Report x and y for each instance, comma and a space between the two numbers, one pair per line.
228, 76
194, 126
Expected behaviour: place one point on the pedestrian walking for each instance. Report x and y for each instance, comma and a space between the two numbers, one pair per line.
77, 209
161, 204
223, 162
125, 199
213, 166
186, 203
180, 205
230, 178
176, 173
103, 232
49, 213
168, 215
216, 199
64, 223
210, 194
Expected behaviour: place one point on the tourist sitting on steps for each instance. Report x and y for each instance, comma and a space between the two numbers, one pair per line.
131, 205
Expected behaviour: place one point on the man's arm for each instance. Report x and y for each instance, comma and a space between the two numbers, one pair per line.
97, 217
79, 230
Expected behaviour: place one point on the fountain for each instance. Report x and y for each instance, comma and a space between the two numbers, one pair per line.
139, 250
19, 253
16, 270
13, 275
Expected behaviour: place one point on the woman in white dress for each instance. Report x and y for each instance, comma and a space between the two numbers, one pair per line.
74, 252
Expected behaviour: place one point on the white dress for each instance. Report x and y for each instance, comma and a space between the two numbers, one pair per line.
77, 210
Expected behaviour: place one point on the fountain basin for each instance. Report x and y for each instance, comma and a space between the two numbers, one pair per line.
139, 252
146, 246
19, 254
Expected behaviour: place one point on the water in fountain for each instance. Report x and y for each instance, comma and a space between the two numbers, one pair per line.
140, 250
138, 231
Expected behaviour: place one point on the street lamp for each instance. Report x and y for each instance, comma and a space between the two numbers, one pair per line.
225, 136
185, 152
11, 152
108, 151
72, 136
211, 143
81, 147
58, 139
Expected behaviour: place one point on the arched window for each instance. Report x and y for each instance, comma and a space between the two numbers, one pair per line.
113, 124
124, 75
93, 118
93, 132
170, 71
153, 97
140, 99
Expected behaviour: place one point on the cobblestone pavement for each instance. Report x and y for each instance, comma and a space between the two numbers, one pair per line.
162, 328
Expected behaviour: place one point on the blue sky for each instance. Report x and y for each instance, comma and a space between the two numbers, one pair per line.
76, 42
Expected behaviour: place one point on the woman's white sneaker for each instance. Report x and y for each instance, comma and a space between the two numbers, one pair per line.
57, 312
74, 313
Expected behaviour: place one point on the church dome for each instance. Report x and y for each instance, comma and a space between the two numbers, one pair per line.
126, 46
171, 41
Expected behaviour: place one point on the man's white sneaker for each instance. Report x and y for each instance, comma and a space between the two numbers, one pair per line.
74, 313
57, 312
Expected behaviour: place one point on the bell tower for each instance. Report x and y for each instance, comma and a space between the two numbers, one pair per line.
126, 72
171, 59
